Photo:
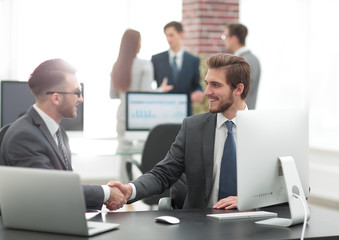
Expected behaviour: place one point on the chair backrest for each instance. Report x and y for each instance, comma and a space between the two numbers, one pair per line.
156, 147
178, 192
3, 131
157, 144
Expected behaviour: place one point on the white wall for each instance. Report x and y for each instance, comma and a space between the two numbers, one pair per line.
85, 33
297, 44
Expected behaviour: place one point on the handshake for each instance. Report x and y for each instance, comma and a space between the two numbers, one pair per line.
119, 194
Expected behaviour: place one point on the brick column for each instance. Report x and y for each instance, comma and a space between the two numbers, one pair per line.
204, 22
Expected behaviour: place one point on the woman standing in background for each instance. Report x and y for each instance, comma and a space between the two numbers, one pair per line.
131, 73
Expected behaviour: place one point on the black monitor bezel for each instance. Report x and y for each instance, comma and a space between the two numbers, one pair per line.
64, 123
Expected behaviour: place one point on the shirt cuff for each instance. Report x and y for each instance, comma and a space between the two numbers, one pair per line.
107, 192
134, 192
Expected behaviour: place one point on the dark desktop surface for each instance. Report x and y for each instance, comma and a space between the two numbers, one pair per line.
195, 225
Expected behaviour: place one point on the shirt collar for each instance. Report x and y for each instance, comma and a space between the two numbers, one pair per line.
221, 119
50, 123
178, 54
241, 51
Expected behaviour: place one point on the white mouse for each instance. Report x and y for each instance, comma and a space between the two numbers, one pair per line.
167, 219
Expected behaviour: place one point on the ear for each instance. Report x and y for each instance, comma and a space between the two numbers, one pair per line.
239, 90
181, 35
54, 99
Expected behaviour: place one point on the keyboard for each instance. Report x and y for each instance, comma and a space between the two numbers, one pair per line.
242, 215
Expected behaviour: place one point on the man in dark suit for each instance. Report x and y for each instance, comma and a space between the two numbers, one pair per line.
178, 66
36, 140
235, 41
200, 146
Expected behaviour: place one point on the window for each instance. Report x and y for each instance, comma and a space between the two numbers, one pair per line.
297, 44
87, 34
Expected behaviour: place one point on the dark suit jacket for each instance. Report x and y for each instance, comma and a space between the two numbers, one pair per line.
189, 76
28, 143
192, 153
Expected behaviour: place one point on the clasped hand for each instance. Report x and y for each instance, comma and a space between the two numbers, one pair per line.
119, 195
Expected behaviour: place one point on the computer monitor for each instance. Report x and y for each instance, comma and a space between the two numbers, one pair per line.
16, 98
144, 110
269, 144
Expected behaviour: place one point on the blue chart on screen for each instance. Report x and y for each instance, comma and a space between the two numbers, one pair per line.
146, 110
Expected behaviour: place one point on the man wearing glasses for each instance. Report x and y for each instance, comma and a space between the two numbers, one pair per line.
36, 140
235, 39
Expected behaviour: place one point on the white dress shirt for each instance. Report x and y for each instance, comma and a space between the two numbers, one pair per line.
179, 59
53, 128
219, 142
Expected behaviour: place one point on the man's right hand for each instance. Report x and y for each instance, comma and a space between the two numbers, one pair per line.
116, 199
164, 85
126, 189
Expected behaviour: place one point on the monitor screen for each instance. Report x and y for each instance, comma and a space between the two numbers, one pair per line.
262, 137
16, 98
144, 110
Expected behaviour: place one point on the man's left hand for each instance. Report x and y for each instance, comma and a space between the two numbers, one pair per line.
227, 203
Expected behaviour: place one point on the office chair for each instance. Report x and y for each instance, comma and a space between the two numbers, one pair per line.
3, 131
176, 197
156, 146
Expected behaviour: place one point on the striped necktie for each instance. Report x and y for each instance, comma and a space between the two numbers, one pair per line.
62, 147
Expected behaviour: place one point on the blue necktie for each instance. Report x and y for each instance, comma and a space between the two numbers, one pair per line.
175, 69
228, 170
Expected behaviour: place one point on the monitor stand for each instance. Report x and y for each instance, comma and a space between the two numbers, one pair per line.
293, 186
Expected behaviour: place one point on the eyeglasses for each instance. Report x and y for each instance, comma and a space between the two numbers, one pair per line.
78, 93
224, 36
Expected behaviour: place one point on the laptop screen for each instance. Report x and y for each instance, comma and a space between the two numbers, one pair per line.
144, 110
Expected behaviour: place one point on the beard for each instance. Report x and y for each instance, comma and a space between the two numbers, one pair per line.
223, 105
66, 110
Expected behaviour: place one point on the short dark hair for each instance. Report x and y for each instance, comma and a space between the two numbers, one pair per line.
177, 26
238, 30
236, 68
49, 74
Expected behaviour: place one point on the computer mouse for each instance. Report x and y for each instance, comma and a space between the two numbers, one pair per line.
167, 219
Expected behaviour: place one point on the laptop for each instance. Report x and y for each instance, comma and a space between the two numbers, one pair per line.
145, 110
47, 201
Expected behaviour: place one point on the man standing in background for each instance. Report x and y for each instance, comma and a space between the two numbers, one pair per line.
235, 38
178, 66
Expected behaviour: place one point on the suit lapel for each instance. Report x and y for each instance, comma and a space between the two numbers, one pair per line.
184, 65
39, 122
167, 67
208, 151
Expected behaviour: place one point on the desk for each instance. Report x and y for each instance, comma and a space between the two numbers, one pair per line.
195, 225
